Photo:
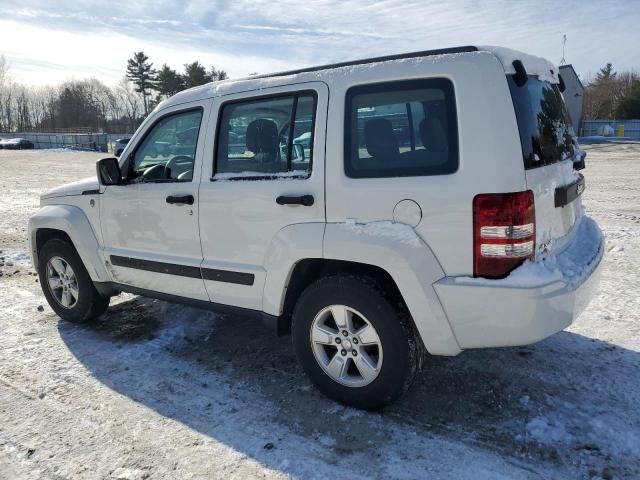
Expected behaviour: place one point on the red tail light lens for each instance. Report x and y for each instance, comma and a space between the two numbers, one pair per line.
504, 232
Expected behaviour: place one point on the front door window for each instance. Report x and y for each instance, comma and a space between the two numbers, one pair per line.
167, 152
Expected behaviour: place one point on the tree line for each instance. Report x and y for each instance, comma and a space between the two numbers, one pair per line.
612, 95
90, 104
166, 82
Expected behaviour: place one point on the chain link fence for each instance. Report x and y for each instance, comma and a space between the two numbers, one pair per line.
98, 142
629, 129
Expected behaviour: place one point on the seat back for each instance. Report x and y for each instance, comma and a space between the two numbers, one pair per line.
380, 140
262, 139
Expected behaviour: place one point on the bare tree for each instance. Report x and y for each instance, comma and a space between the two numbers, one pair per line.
130, 101
90, 103
605, 91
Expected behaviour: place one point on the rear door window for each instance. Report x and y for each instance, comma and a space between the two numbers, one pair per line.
401, 129
266, 137
546, 133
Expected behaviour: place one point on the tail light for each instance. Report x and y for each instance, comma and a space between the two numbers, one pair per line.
504, 232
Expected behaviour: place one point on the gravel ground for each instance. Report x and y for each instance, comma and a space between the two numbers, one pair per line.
160, 391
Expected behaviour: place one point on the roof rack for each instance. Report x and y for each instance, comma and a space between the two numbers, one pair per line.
386, 58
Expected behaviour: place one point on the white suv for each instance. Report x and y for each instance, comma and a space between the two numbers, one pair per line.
377, 209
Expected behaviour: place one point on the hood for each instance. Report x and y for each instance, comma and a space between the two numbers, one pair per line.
74, 188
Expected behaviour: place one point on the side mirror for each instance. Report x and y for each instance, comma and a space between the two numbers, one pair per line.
108, 171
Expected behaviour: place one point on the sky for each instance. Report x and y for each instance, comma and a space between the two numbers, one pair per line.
48, 42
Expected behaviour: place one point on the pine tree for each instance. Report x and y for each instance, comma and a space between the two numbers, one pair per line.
195, 74
605, 74
215, 75
629, 106
169, 82
143, 76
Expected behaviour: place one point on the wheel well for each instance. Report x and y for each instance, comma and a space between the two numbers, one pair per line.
43, 235
309, 270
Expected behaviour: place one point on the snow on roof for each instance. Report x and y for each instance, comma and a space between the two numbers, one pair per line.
541, 67
538, 66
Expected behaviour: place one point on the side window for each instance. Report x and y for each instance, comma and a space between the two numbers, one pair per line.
265, 137
401, 129
168, 151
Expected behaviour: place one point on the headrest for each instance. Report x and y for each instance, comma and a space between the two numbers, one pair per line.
433, 135
380, 140
262, 136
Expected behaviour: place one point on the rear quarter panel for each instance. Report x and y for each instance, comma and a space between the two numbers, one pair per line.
489, 148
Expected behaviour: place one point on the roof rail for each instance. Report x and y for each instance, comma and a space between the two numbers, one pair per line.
386, 58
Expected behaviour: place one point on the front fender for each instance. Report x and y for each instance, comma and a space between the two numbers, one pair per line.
72, 221
398, 250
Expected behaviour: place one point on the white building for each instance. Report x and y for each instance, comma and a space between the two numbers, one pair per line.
573, 94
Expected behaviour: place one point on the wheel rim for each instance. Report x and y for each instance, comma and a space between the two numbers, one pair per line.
62, 282
346, 346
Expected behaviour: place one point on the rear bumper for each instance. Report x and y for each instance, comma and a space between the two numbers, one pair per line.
523, 309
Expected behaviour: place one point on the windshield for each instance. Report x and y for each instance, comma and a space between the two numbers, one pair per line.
546, 133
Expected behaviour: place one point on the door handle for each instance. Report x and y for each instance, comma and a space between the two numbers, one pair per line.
306, 200
180, 199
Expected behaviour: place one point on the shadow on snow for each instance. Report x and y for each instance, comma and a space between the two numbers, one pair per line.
233, 380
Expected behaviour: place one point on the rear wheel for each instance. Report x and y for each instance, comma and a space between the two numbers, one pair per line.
66, 283
353, 343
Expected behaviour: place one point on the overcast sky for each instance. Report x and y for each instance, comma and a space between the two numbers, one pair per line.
47, 42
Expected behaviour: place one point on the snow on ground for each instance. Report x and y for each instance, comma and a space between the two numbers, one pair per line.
154, 390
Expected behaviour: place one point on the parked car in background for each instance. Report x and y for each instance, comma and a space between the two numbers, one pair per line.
119, 145
16, 144
378, 210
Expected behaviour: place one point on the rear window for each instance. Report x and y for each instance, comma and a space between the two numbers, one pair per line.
546, 133
401, 129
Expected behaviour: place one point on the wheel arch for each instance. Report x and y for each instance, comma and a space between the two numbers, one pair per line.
43, 235
309, 270
68, 223
304, 252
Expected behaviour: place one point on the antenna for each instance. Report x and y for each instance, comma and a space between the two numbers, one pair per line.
564, 43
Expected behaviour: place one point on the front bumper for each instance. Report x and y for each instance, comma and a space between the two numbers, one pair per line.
519, 311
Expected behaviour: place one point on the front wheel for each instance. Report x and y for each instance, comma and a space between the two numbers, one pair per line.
66, 283
353, 343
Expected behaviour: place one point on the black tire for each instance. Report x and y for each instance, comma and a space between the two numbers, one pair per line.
392, 324
90, 304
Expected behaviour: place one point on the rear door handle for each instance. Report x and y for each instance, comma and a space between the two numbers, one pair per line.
306, 200
180, 199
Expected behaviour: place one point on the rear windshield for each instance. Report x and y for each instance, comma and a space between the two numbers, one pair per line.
545, 127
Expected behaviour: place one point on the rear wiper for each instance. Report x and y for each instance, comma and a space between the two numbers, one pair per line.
578, 160
520, 77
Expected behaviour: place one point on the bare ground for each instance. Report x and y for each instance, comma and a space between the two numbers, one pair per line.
155, 390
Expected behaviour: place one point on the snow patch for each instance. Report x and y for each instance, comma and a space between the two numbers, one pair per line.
538, 66
251, 174
620, 439
570, 266
567, 172
399, 232
15, 259
57, 149
548, 431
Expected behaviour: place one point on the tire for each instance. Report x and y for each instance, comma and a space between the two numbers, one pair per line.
396, 359
88, 304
